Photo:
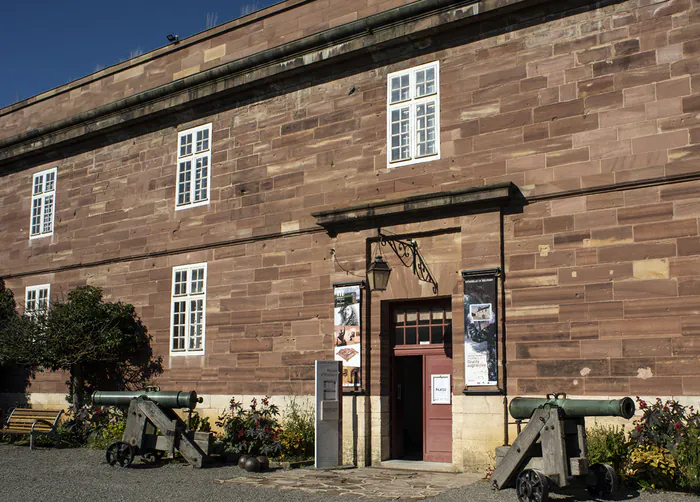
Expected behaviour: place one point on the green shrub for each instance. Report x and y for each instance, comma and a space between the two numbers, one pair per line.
198, 423
608, 445
687, 457
652, 467
298, 430
253, 431
663, 423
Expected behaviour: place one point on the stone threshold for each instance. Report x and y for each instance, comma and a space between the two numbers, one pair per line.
417, 465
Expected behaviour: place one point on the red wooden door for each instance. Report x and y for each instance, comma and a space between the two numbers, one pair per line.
422, 340
437, 418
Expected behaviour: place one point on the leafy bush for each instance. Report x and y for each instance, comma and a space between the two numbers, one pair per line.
608, 445
652, 467
662, 423
253, 431
666, 446
92, 426
198, 423
297, 436
688, 458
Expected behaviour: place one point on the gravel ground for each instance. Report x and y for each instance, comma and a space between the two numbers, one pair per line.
81, 474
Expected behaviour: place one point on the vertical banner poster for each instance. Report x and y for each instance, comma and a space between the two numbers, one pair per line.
480, 328
348, 343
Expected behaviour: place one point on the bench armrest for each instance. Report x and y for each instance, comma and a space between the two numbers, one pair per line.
40, 420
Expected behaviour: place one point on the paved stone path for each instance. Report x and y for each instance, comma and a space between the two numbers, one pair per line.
366, 483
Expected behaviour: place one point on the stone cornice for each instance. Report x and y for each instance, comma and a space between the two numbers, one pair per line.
417, 208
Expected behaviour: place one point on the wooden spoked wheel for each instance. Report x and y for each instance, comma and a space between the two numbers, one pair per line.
532, 486
120, 453
602, 480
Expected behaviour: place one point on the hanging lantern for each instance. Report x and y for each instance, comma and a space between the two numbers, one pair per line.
378, 274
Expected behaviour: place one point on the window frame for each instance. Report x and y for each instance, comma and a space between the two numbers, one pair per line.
192, 157
36, 289
42, 197
412, 103
187, 298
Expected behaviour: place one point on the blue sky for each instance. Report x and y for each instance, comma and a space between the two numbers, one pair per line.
47, 43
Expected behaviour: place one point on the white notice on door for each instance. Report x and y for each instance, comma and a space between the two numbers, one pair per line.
441, 390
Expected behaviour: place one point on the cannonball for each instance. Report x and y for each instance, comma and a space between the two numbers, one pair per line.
252, 464
241, 461
264, 462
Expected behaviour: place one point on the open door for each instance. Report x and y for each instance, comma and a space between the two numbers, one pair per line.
421, 393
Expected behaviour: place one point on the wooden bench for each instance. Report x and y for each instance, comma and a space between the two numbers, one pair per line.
24, 421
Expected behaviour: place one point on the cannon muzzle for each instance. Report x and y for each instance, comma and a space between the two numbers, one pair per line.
523, 407
164, 399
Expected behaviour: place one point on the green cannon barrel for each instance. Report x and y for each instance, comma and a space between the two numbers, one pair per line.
523, 407
164, 399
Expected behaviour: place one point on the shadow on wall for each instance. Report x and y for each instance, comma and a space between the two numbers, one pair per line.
14, 382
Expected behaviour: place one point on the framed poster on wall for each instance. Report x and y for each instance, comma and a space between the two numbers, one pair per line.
347, 341
481, 327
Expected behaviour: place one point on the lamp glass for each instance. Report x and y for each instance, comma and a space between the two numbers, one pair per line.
378, 274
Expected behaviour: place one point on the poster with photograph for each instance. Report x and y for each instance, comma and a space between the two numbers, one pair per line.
347, 340
480, 329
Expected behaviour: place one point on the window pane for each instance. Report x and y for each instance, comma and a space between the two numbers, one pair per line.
425, 82
184, 182
185, 144
48, 214
411, 317
202, 140
201, 178
425, 129
30, 303
179, 325
196, 318
436, 334
43, 303
410, 336
38, 184
400, 142
424, 316
399, 88
424, 334
197, 285
180, 283
50, 178
36, 216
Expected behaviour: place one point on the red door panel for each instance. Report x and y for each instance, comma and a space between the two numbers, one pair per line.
437, 437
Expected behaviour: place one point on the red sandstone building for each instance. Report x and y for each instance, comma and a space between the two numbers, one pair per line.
543, 156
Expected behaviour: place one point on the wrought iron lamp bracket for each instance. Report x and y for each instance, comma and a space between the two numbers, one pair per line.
410, 256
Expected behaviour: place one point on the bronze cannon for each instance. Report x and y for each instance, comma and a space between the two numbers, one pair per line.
552, 448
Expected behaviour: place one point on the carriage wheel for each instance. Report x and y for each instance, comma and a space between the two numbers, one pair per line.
120, 453
153, 456
532, 486
602, 480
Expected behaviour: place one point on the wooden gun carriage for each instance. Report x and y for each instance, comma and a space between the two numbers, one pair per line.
153, 429
552, 448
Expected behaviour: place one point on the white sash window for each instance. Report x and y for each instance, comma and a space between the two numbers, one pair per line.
413, 115
189, 299
43, 204
193, 167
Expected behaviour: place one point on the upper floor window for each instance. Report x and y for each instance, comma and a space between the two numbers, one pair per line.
413, 115
43, 203
189, 302
36, 299
193, 167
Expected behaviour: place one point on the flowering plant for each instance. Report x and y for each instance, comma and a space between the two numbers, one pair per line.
662, 423
252, 431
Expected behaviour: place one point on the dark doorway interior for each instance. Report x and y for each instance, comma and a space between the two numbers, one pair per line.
410, 405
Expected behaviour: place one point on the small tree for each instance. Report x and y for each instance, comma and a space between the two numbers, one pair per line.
16, 333
101, 344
